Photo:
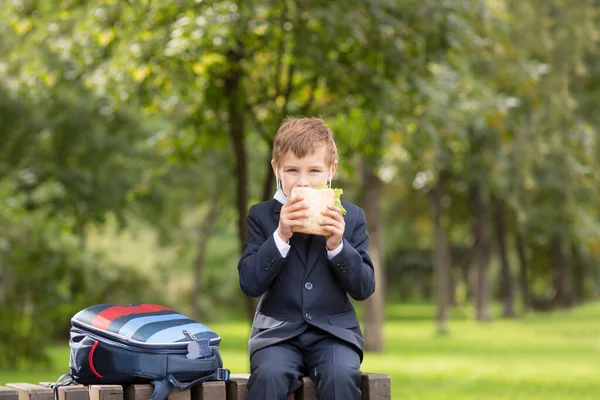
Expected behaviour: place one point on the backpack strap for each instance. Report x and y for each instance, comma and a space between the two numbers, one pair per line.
163, 388
63, 380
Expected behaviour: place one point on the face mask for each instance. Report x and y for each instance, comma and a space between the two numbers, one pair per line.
281, 197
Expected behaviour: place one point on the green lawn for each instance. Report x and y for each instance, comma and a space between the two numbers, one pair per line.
543, 356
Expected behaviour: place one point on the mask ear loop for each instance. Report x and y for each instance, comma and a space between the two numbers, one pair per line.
330, 177
277, 183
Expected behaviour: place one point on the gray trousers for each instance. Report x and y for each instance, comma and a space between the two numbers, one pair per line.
333, 364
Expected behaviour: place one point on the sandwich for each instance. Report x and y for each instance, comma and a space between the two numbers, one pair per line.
318, 199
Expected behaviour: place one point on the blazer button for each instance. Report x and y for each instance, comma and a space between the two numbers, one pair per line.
308, 286
308, 316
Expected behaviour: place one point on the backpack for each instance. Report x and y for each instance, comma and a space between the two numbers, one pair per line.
112, 344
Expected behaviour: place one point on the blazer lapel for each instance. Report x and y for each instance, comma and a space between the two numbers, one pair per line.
296, 243
276, 211
317, 247
299, 247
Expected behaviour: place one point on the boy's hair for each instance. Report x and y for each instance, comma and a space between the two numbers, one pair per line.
302, 136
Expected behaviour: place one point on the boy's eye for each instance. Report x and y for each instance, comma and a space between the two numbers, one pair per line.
315, 170
291, 170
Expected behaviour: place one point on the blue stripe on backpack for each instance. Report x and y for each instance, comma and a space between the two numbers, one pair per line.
112, 344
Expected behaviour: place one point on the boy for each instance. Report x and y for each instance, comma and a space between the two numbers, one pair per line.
305, 324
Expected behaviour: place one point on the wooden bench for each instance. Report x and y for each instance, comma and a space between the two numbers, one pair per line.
373, 387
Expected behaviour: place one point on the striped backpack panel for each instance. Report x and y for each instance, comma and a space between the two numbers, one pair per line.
143, 325
113, 344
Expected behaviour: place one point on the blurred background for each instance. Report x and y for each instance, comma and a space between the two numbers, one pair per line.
134, 135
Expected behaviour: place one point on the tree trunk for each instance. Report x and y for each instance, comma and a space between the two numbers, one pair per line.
3, 284
579, 272
451, 286
269, 182
205, 229
523, 270
464, 274
480, 256
559, 264
506, 284
441, 255
237, 107
374, 305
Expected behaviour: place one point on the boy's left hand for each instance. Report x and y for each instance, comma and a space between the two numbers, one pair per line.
334, 224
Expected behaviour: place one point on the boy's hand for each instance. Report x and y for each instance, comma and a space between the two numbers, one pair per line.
334, 224
293, 209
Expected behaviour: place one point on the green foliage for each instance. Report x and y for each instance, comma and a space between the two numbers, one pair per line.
122, 111
46, 278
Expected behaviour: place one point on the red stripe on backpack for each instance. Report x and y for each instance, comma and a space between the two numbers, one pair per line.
105, 317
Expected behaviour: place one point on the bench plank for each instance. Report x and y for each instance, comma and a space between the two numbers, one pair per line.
73, 393
29, 391
8, 394
139, 392
144, 391
209, 391
236, 388
375, 386
106, 392
178, 394
372, 386
308, 390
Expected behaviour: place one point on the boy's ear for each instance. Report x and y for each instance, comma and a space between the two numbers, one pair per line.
274, 167
333, 169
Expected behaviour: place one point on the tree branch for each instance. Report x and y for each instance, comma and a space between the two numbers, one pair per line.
280, 51
259, 128
311, 97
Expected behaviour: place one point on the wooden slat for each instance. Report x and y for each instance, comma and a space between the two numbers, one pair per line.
8, 393
236, 388
29, 391
143, 392
177, 394
210, 391
106, 392
308, 390
139, 392
375, 386
76, 392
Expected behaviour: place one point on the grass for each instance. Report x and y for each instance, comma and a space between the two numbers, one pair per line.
542, 356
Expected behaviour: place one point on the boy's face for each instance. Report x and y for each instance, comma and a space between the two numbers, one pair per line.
310, 171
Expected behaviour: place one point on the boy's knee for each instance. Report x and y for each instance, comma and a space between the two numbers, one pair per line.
340, 375
273, 381
269, 371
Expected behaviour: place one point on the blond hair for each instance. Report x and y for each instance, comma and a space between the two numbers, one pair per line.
302, 136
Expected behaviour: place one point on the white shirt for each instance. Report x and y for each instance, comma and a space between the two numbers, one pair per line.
284, 247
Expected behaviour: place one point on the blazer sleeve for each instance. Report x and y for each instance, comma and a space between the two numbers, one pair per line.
261, 260
353, 265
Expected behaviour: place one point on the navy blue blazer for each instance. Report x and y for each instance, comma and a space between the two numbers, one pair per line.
304, 288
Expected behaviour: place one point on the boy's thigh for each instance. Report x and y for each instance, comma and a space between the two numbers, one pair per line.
331, 355
278, 359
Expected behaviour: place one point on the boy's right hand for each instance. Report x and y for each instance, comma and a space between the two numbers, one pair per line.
293, 209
